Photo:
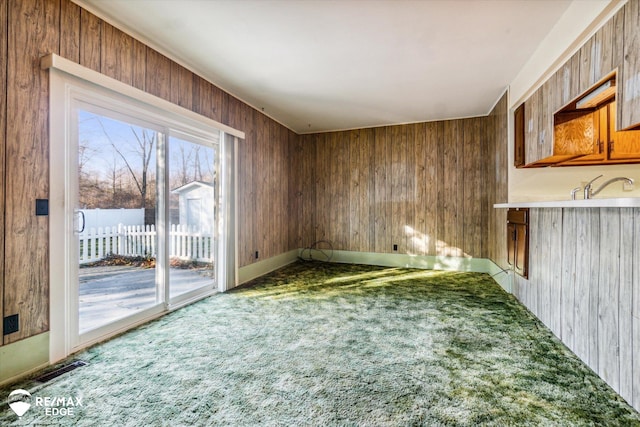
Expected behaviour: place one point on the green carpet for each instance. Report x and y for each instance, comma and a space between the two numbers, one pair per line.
337, 345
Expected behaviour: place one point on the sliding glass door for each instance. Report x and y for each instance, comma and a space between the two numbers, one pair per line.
116, 219
144, 218
192, 212
142, 206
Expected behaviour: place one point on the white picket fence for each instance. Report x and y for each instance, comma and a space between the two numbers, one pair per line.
140, 240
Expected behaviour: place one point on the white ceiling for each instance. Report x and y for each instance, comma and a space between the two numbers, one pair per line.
319, 65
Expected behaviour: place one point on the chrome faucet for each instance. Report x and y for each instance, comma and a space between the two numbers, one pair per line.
589, 192
574, 191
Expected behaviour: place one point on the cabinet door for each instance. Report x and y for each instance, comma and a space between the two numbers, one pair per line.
629, 91
531, 123
522, 250
511, 245
545, 136
622, 145
566, 83
519, 136
539, 125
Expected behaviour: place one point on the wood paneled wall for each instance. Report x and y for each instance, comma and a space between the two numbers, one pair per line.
30, 29
419, 186
583, 284
4, 37
497, 181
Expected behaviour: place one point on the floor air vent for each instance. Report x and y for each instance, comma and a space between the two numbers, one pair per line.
62, 370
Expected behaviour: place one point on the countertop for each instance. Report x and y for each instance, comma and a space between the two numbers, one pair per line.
627, 202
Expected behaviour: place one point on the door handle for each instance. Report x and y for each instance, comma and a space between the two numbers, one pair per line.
84, 222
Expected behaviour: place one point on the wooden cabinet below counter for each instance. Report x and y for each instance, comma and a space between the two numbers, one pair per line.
518, 240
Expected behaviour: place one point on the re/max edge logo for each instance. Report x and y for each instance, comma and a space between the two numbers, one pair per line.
20, 401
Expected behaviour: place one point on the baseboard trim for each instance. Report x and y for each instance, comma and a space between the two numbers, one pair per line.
260, 268
427, 262
23, 357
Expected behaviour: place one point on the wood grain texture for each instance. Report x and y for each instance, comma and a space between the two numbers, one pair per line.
568, 288
575, 136
545, 127
158, 75
630, 91
418, 186
531, 126
496, 169
69, 31
424, 178
90, 40
4, 28
473, 195
181, 86
139, 65
451, 211
430, 188
116, 54
399, 187
625, 306
246, 184
608, 297
634, 398
587, 57
595, 293
33, 31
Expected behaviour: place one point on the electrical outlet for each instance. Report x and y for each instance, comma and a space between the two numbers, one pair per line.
626, 186
42, 207
11, 324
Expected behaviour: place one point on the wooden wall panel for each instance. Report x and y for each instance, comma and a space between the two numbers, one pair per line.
158, 75
139, 65
367, 191
596, 295
4, 28
380, 195
429, 196
496, 169
473, 188
90, 40
629, 104
419, 236
568, 290
608, 297
419, 186
70, 31
181, 86
398, 187
116, 54
33, 32
634, 398
625, 307
261, 176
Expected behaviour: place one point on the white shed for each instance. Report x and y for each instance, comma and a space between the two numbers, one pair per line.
196, 202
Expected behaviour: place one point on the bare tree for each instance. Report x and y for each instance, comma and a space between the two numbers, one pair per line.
146, 142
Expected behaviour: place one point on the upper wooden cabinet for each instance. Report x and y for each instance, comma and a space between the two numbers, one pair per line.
553, 132
538, 124
629, 93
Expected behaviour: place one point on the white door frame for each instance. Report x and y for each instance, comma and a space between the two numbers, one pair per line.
67, 80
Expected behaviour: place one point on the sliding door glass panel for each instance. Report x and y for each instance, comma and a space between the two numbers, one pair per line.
192, 216
116, 219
